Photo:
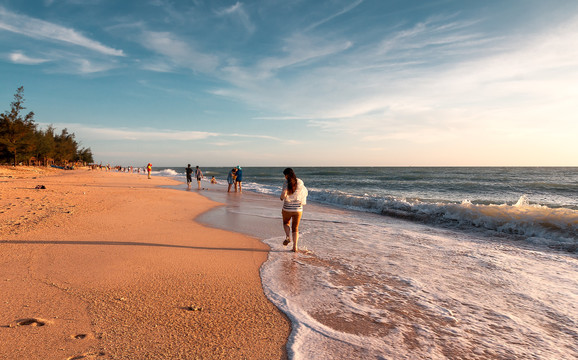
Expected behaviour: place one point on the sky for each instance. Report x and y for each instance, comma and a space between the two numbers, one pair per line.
300, 83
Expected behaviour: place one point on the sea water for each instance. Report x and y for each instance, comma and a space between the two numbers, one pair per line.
406, 263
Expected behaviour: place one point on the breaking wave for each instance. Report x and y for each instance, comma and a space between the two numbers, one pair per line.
554, 227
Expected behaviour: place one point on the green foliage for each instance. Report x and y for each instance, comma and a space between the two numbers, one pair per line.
20, 140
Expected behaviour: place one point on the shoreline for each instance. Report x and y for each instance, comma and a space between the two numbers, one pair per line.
366, 282
112, 265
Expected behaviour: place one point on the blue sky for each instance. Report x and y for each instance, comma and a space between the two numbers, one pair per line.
288, 83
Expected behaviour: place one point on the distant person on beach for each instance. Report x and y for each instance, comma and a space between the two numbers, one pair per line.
149, 169
294, 196
238, 178
213, 180
231, 179
189, 172
199, 175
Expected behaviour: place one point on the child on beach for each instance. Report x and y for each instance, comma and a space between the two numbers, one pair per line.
294, 196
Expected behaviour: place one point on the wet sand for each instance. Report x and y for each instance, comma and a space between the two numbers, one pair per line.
112, 266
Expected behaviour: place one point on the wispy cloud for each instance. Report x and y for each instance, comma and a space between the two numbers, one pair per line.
147, 134
301, 50
181, 53
151, 134
343, 11
86, 66
238, 13
503, 93
298, 50
40, 29
19, 57
465, 82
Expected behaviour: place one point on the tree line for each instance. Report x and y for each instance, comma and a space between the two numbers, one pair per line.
21, 141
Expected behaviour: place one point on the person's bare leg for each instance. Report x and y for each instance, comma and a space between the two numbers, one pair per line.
286, 227
295, 240
295, 227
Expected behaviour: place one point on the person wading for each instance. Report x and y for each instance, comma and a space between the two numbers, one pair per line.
294, 196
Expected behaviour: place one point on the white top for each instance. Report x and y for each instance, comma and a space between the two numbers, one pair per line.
295, 201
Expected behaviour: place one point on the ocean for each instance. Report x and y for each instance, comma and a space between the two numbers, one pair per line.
418, 263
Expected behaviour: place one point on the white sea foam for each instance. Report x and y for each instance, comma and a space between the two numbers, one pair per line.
380, 287
554, 227
537, 224
166, 172
388, 289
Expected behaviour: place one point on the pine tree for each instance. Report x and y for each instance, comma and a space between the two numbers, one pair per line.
17, 132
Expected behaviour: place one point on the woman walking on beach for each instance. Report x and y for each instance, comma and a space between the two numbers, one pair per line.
294, 196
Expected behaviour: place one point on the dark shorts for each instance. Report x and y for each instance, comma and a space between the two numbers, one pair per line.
189, 179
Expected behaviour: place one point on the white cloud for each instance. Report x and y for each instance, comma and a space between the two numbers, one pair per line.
138, 135
40, 29
238, 12
298, 50
19, 57
88, 132
85, 66
181, 53
466, 84
333, 16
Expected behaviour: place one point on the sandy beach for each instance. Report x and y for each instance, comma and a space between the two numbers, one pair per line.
104, 265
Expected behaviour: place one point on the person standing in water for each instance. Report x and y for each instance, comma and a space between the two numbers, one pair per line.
294, 196
189, 172
231, 178
199, 175
239, 179
149, 169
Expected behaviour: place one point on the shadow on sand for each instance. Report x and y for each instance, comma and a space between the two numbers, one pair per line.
126, 243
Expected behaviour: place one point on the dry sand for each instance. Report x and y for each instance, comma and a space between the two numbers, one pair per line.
111, 266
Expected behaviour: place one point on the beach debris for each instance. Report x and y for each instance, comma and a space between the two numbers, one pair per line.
194, 308
40, 187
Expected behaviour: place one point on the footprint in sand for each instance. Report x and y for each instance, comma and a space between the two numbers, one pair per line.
31, 322
87, 356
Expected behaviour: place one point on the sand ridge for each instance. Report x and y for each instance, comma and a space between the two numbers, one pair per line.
112, 266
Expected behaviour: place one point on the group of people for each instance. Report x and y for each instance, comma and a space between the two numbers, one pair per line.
293, 195
235, 177
197, 173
